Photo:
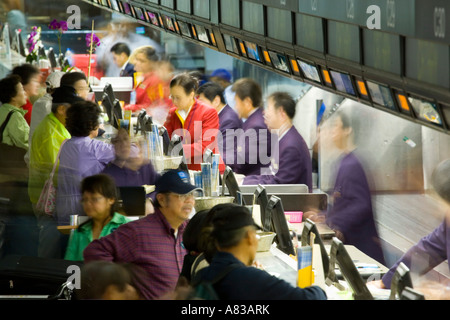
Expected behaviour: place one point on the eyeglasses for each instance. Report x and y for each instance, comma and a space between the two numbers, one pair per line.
184, 197
91, 200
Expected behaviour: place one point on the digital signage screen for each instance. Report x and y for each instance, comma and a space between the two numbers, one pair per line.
279, 61
343, 82
381, 95
309, 70
253, 51
425, 110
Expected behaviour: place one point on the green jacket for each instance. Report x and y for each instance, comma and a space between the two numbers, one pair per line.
82, 237
45, 144
17, 131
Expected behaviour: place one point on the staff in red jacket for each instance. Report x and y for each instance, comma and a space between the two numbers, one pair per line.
195, 121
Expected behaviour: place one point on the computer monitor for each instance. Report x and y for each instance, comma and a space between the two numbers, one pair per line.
339, 255
310, 227
133, 200
260, 197
112, 106
400, 280
280, 226
229, 181
165, 138
52, 58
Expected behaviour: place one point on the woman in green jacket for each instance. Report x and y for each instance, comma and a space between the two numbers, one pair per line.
99, 198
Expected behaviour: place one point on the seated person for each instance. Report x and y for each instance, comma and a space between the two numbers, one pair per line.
99, 198
130, 173
234, 233
292, 163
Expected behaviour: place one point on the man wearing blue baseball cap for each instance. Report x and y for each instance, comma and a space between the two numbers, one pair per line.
153, 242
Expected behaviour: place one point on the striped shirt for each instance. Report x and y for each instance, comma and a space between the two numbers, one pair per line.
149, 243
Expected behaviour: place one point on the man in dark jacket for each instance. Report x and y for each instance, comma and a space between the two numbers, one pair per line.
235, 234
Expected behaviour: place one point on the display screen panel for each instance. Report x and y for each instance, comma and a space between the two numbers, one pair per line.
309, 32
343, 82
230, 44
279, 61
230, 13
126, 8
253, 51
139, 14
153, 17
277, 30
184, 29
202, 34
169, 23
309, 70
253, 17
425, 110
201, 8
115, 5
344, 41
381, 95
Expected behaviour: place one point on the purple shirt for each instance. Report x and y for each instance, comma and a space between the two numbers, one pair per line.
148, 243
429, 252
80, 157
292, 166
228, 120
253, 148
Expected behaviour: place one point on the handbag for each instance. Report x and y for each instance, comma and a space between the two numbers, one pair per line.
13, 164
47, 200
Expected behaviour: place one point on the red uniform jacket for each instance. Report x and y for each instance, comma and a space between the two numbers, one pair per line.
199, 132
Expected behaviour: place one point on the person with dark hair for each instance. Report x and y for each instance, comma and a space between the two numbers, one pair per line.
253, 149
105, 280
432, 249
99, 200
152, 91
44, 147
212, 93
292, 163
31, 80
154, 242
234, 235
13, 97
351, 214
121, 56
81, 156
72, 84
194, 120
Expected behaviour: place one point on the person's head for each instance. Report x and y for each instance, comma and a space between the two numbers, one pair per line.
98, 196
191, 234
222, 77
212, 93
122, 144
343, 129
12, 91
106, 280
83, 119
440, 180
234, 231
144, 59
175, 196
280, 110
30, 78
248, 96
53, 81
76, 80
121, 53
183, 88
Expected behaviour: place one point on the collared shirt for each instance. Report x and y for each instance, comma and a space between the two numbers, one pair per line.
17, 131
149, 243
80, 238
49, 135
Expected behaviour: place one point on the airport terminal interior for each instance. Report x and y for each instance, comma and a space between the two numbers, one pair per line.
384, 64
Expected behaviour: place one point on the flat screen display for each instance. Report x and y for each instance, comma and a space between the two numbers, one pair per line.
230, 13
310, 71
153, 18
426, 110
115, 5
126, 8
230, 44
169, 23
139, 14
279, 61
184, 29
381, 95
253, 51
202, 34
343, 82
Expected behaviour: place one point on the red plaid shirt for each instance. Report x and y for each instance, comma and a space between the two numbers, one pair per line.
148, 243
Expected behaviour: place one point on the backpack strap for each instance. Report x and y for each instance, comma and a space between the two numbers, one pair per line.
4, 124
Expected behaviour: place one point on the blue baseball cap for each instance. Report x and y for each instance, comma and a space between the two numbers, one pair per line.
221, 73
176, 181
